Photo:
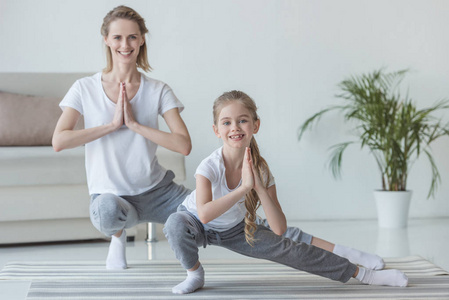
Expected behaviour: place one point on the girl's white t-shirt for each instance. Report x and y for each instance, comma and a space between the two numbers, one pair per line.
214, 170
122, 162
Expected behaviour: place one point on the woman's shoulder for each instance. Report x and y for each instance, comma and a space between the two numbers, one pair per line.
154, 84
89, 81
151, 80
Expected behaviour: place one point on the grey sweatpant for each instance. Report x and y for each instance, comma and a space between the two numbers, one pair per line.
185, 233
110, 213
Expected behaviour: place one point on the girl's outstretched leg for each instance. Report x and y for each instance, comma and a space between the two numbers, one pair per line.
369, 261
355, 256
309, 258
383, 277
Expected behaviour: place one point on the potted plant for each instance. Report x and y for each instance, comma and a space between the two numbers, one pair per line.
394, 131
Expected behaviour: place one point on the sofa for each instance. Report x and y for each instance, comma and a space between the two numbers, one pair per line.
43, 194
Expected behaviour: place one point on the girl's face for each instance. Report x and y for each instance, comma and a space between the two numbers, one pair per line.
124, 40
235, 125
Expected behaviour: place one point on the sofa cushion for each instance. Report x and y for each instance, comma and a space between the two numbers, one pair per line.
21, 166
28, 120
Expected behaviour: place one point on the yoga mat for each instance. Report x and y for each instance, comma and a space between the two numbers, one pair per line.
225, 279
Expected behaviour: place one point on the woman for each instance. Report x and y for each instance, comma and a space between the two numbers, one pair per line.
120, 107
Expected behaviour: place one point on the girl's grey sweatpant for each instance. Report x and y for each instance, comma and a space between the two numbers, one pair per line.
185, 233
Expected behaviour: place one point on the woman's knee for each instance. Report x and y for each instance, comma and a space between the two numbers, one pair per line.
107, 213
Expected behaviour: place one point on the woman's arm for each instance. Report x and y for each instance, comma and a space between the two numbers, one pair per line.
64, 137
178, 139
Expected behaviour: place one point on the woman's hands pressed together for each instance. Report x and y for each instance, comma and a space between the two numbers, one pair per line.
123, 111
128, 115
118, 120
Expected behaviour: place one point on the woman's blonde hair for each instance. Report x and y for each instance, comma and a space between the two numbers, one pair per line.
127, 13
252, 201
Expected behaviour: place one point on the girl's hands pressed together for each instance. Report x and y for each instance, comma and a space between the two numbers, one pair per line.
258, 185
247, 171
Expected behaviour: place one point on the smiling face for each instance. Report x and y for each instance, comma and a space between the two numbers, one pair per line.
124, 40
235, 125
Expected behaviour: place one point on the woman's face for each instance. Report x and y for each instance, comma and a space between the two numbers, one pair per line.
124, 40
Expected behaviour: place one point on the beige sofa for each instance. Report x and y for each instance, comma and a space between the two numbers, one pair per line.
43, 194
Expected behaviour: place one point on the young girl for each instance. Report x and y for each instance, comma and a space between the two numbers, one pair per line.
121, 107
230, 185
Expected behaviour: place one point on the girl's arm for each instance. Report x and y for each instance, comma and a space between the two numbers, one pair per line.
272, 208
64, 137
178, 139
208, 210
270, 203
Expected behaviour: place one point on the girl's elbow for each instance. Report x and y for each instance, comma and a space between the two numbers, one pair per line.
203, 218
282, 230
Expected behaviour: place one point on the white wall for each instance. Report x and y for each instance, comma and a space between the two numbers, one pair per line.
288, 55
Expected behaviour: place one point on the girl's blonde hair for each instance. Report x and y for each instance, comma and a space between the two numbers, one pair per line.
252, 201
127, 13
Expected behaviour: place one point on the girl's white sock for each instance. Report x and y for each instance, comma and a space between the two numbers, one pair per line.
194, 281
116, 259
370, 261
382, 277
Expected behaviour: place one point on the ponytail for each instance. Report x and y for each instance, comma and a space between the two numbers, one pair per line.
252, 201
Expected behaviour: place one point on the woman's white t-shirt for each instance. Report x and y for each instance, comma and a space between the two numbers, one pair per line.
214, 170
122, 162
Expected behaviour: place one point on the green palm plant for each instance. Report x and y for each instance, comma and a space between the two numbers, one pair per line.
388, 124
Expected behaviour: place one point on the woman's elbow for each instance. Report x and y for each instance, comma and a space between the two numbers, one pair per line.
187, 148
56, 145
58, 142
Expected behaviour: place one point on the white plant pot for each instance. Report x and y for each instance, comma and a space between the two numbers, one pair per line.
392, 208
